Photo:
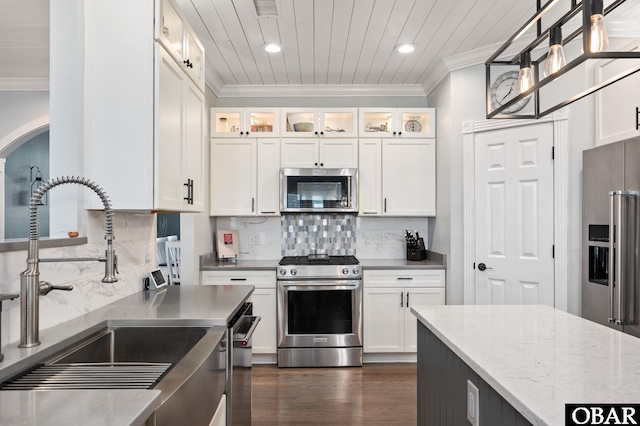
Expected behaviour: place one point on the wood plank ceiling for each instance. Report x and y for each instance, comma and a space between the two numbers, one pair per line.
328, 43
345, 42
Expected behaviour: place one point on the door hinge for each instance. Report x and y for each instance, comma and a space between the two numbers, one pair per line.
553, 251
553, 152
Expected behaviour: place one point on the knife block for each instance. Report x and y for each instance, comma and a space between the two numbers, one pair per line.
416, 251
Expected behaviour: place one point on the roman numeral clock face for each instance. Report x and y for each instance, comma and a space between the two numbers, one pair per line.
505, 88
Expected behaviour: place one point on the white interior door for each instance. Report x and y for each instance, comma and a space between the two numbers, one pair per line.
514, 216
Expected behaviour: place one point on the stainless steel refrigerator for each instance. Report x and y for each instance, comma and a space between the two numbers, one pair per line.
610, 240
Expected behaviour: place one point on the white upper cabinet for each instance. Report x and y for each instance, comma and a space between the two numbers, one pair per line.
409, 177
245, 177
144, 132
233, 177
397, 122
618, 105
328, 154
319, 122
245, 122
174, 33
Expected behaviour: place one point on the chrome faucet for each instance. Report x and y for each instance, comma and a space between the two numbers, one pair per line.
30, 285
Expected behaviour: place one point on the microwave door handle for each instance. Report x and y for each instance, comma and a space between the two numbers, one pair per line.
612, 277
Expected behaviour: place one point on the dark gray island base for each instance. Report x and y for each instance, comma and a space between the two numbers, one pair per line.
442, 388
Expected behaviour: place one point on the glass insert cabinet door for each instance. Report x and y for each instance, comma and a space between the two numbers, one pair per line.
195, 59
397, 122
320, 122
171, 31
243, 122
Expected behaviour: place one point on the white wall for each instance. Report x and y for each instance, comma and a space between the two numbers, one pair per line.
20, 108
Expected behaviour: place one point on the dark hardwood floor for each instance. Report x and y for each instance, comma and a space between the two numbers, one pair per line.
376, 394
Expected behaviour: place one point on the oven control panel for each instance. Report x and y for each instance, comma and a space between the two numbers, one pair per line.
300, 272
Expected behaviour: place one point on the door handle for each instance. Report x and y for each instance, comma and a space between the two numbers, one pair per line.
482, 267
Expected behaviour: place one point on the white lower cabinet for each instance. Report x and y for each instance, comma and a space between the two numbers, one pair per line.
263, 298
388, 324
220, 416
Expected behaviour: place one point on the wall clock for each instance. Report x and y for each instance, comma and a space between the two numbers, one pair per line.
413, 126
505, 88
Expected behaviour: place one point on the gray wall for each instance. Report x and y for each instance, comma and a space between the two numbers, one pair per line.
353, 101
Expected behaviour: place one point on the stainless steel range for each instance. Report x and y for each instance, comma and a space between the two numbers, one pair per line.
319, 311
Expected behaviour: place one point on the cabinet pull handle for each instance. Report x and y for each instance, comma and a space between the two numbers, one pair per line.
385, 205
369, 212
268, 212
401, 299
253, 203
188, 63
637, 118
405, 278
238, 279
189, 197
407, 299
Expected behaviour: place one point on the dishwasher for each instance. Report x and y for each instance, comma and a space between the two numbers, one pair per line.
240, 329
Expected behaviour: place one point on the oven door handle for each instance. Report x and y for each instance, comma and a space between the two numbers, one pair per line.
320, 285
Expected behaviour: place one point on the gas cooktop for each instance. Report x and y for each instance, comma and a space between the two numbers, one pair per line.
319, 259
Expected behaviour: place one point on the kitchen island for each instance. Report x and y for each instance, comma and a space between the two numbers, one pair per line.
535, 358
207, 306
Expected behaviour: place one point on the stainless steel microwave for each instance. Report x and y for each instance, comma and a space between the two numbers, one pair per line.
319, 190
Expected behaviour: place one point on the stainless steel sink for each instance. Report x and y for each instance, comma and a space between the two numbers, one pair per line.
187, 364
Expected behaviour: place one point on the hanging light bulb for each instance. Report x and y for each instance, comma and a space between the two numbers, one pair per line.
598, 38
525, 76
555, 57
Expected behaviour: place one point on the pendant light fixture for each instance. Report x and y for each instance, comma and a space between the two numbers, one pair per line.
598, 38
542, 75
555, 57
525, 76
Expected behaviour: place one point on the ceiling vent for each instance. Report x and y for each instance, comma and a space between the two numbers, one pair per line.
266, 8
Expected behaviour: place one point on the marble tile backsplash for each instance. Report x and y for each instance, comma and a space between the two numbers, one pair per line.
332, 234
135, 237
269, 238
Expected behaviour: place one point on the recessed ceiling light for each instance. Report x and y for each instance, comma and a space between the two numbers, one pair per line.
406, 48
272, 47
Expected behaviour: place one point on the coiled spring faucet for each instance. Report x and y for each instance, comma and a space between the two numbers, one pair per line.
30, 285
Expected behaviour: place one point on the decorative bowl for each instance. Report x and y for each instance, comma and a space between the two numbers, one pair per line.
303, 127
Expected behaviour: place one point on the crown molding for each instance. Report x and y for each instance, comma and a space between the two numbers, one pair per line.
18, 84
320, 90
213, 80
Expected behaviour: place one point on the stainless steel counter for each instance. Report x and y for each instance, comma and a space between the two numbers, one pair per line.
177, 305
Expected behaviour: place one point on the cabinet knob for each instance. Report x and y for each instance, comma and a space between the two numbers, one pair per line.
321, 164
322, 133
315, 164
316, 133
188, 63
394, 133
247, 133
399, 133
242, 133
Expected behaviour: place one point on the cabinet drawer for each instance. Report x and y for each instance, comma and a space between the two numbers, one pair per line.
258, 279
404, 278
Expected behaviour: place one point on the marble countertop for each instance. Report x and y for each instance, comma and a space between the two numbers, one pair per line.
176, 305
539, 358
